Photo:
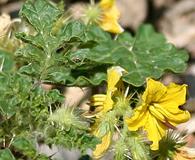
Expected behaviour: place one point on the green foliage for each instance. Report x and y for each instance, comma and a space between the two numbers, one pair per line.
150, 56
60, 51
24, 109
40, 53
46, 52
70, 52
131, 145
6, 61
72, 130
25, 146
24, 112
73, 138
6, 154
145, 55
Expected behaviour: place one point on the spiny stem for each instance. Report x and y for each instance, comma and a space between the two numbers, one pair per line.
126, 91
127, 156
50, 111
118, 130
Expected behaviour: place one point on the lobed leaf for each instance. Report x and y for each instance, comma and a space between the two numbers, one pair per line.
145, 55
41, 14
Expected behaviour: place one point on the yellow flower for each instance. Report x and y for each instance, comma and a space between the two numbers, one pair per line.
109, 16
104, 104
159, 110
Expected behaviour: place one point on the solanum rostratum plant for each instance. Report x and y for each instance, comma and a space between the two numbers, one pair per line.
134, 118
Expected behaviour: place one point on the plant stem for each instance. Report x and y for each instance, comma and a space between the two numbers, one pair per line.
11, 140
126, 92
116, 37
1, 66
92, 2
118, 130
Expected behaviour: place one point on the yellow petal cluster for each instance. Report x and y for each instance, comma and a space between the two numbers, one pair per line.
159, 110
109, 16
103, 104
103, 146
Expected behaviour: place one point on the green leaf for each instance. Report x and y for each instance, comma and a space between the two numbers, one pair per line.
46, 53
93, 79
6, 61
145, 55
95, 33
6, 155
151, 56
73, 138
41, 14
25, 146
13, 91
76, 54
76, 30
73, 29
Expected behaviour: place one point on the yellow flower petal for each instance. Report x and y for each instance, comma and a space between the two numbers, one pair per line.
139, 118
110, 16
97, 103
105, 101
108, 104
98, 97
114, 75
157, 114
175, 115
95, 127
155, 131
175, 93
154, 91
99, 128
159, 108
103, 146
106, 4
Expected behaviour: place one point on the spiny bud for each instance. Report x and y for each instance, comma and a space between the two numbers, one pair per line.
67, 117
92, 14
170, 143
122, 105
